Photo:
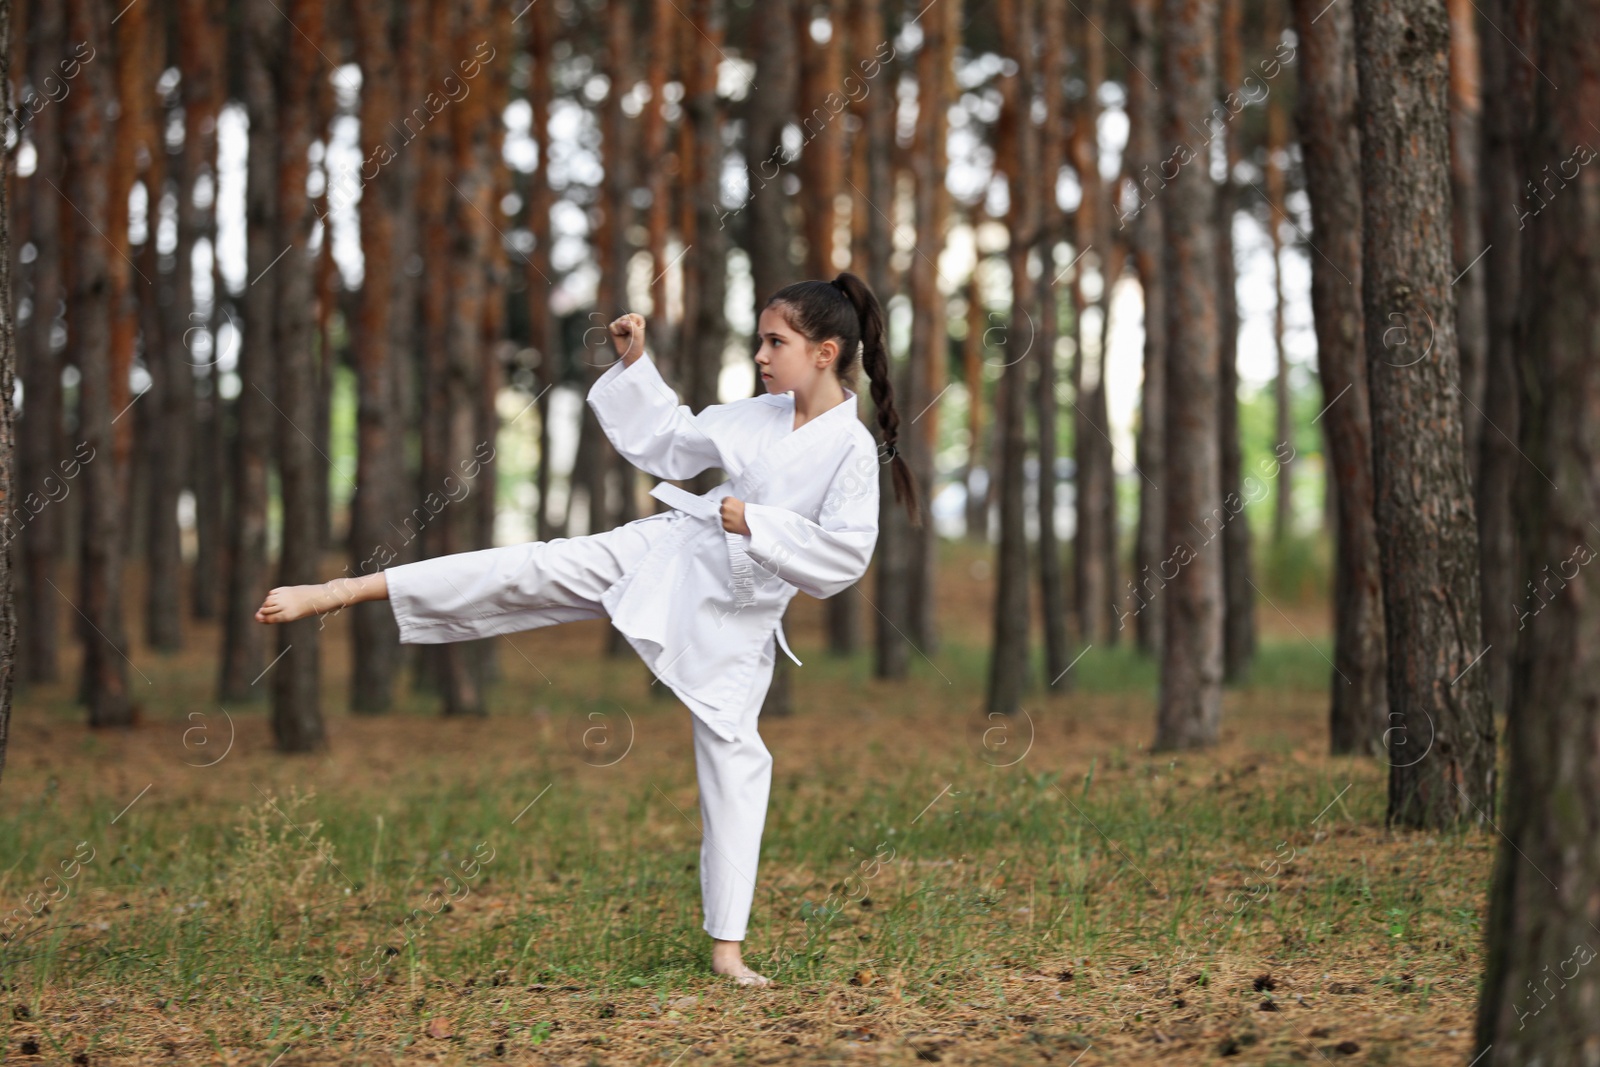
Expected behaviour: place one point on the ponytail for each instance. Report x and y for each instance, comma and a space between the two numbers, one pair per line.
815, 310
875, 361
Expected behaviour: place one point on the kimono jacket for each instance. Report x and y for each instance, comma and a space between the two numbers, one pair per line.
702, 604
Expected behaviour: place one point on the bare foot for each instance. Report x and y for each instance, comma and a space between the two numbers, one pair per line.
290, 602
726, 958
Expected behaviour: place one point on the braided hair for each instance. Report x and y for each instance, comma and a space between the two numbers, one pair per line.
845, 310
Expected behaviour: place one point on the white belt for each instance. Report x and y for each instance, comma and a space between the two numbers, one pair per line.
703, 507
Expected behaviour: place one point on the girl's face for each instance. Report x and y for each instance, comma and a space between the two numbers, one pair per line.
786, 361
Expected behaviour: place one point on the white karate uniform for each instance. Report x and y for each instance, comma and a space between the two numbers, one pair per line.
700, 605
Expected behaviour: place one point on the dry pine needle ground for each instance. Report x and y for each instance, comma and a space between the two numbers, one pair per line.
522, 889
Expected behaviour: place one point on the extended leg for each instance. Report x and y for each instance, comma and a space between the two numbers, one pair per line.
516, 587
735, 782
492, 591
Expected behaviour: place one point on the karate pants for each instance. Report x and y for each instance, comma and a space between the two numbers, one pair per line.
495, 591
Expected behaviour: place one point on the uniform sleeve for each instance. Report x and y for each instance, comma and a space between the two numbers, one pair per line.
641, 416
826, 557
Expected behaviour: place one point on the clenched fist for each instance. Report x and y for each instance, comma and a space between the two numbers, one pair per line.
733, 516
627, 334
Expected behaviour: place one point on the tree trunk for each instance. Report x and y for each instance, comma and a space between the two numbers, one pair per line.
38, 522
1238, 598
1051, 26
1507, 101
768, 232
1052, 154
8, 371
767, 109
620, 148
972, 360
822, 157
541, 323
242, 637
1094, 565
170, 405
1015, 150
663, 51
822, 163
709, 331
1466, 220
88, 190
325, 295
468, 204
296, 680
1190, 701
1547, 873
1358, 700
199, 44
1427, 533
375, 511
891, 649
1144, 156
925, 369
1282, 398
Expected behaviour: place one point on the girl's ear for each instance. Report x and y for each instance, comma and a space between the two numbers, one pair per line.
827, 352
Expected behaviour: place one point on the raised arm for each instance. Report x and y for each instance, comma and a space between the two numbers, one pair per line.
828, 556
641, 416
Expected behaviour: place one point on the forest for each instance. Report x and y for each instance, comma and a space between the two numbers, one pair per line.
1247, 360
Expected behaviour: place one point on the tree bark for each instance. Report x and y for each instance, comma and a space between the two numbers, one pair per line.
1051, 27
663, 52
891, 651
296, 680
88, 191
243, 640
170, 405
199, 44
1238, 597
8, 372
620, 147
1542, 902
38, 522
769, 235
709, 331
972, 361
1015, 150
1094, 550
1190, 700
1427, 534
767, 109
1358, 704
541, 323
470, 203
1508, 82
822, 164
1466, 219
1282, 397
1144, 157
925, 369
375, 511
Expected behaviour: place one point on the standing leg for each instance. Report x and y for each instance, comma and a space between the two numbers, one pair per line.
735, 782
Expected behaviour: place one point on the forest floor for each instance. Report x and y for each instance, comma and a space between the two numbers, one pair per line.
933, 886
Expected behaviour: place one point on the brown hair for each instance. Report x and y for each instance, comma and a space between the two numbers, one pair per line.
845, 310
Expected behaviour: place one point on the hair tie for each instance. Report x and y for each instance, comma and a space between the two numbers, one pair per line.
891, 451
837, 284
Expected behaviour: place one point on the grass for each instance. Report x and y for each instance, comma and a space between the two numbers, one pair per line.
934, 886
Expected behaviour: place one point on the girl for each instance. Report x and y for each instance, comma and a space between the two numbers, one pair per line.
698, 591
